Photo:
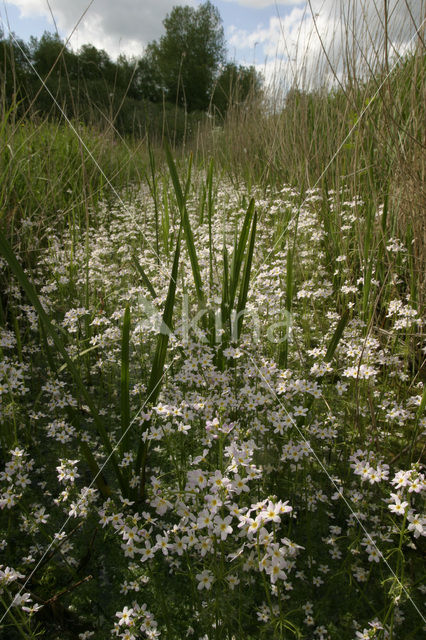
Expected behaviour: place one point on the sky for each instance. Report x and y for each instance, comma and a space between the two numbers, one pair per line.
280, 37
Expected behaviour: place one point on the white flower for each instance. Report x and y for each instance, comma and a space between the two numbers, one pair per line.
19, 599
147, 552
222, 526
416, 524
398, 506
205, 579
125, 616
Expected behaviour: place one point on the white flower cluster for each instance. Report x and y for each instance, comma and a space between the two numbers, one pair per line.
406, 315
15, 477
72, 317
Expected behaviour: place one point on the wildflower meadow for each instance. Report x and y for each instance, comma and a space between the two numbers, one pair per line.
212, 385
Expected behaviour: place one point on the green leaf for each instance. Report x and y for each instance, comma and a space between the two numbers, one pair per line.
337, 335
154, 193
193, 257
165, 331
419, 414
175, 179
225, 282
242, 300
189, 238
144, 277
188, 178
238, 255
289, 291
157, 370
125, 366
165, 221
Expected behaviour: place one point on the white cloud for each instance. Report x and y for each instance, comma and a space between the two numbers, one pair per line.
119, 26
262, 4
289, 42
291, 49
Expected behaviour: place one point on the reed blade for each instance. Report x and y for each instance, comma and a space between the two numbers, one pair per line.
238, 255
154, 193
144, 277
157, 370
337, 335
165, 332
124, 388
189, 237
283, 352
165, 221
242, 300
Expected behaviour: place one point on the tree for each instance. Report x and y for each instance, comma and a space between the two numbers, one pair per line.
234, 86
48, 52
15, 70
95, 63
148, 80
189, 55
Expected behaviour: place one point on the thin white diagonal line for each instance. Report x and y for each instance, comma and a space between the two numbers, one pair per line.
338, 489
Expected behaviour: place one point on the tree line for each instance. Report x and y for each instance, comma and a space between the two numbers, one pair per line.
172, 85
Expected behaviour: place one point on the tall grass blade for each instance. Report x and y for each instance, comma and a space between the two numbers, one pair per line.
202, 204
335, 339
189, 238
210, 216
188, 178
125, 366
368, 261
175, 179
283, 353
242, 300
145, 279
193, 256
165, 221
225, 282
165, 331
337, 335
157, 370
154, 193
419, 414
94, 468
238, 255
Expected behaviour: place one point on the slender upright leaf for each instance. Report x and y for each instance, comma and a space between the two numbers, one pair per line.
165, 331
165, 221
145, 279
175, 179
210, 217
188, 178
337, 335
154, 193
242, 300
125, 365
157, 370
238, 255
189, 238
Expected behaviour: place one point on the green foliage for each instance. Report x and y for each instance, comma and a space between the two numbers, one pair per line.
235, 85
189, 54
44, 174
162, 94
125, 379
